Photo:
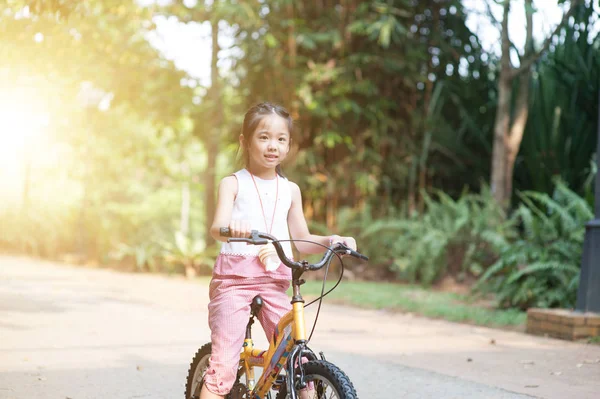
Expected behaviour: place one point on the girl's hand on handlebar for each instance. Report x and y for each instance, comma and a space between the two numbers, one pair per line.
350, 242
240, 228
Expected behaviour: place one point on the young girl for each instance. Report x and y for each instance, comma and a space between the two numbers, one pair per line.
255, 198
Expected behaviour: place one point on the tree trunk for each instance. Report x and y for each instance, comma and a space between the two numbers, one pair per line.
26, 184
515, 136
502, 123
501, 127
509, 134
292, 50
212, 136
516, 131
184, 222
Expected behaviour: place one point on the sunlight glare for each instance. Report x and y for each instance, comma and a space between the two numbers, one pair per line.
22, 129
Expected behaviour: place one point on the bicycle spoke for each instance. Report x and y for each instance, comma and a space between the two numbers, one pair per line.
321, 390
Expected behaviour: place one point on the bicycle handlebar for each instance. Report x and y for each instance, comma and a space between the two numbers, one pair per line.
258, 238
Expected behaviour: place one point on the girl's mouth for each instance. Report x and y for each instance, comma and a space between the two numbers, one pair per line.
271, 156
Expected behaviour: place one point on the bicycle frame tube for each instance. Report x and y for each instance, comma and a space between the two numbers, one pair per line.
289, 336
277, 355
249, 359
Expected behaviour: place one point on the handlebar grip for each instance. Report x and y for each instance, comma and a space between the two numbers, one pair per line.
360, 256
351, 252
225, 232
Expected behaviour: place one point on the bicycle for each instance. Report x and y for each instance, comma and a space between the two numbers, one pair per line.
288, 350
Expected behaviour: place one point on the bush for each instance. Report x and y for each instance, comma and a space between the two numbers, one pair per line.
541, 268
458, 237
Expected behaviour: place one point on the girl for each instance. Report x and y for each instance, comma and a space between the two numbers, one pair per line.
255, 198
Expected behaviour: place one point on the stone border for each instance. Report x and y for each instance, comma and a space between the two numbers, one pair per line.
562, 323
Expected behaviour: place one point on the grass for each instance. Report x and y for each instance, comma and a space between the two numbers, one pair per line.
415, 299
594, 340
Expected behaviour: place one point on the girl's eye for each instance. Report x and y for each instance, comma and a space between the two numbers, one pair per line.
283, 139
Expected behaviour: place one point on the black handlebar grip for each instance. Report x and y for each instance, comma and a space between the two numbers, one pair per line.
225, 232
358, 255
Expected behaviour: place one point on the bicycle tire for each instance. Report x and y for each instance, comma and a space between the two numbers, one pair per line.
198, 367
200, 360
324, 374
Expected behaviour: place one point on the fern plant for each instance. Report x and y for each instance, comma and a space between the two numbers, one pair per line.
541, 268
191, 254
458, 237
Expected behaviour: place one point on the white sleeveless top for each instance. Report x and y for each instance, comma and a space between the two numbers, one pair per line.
247, 206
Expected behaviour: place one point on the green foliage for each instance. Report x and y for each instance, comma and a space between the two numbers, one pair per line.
458, 237
394, 104
181, 254
191, 255
145, 255
362, 79
541, 268
39, 232
560, 137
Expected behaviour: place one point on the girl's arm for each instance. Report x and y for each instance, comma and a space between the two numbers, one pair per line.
299, 229
227, 192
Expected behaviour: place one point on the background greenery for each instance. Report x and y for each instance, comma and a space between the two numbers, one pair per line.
394, 103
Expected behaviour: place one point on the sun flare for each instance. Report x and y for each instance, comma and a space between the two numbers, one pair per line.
21, 122
23, 128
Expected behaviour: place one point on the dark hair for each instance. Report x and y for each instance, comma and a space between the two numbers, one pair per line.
253, 118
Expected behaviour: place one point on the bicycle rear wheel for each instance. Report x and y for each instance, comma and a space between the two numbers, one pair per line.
197, 370
326, 381
198, 367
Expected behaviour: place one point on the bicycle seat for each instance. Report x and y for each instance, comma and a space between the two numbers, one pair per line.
257, 303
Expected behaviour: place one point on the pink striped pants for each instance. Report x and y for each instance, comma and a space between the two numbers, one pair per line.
228, 314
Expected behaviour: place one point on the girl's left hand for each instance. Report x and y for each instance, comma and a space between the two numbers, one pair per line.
349, 241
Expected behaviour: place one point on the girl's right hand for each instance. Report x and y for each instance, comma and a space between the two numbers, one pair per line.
240, 228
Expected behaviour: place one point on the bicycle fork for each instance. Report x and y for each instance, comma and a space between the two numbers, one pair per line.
295, 367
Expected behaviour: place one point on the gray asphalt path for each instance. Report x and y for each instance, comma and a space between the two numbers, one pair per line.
73, 332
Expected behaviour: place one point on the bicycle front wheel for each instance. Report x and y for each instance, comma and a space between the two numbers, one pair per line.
325, 381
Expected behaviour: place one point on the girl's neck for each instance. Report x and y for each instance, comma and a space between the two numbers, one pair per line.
264, 174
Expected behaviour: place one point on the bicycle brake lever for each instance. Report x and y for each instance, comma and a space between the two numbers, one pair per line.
256, 239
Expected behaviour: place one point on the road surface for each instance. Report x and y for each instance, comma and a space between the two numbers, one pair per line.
76, 332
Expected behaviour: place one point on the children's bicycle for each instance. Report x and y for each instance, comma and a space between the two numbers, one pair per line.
291, 370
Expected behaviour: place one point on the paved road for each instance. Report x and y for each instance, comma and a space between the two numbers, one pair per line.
72, 332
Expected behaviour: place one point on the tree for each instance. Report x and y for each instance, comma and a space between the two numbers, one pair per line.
361, 79
563, 113
510, 123
208, 117
53, 55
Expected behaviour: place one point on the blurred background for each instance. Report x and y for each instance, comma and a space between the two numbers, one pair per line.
454, 139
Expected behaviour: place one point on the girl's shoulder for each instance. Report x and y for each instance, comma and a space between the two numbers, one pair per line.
233, 178
229, 184
292, 185
294, 189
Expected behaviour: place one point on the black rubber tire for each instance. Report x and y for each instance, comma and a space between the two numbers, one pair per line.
200, 359
324, 371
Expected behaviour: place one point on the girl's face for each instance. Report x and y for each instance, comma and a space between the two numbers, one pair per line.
269, 144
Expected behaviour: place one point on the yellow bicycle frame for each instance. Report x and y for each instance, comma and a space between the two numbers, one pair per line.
289, 330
